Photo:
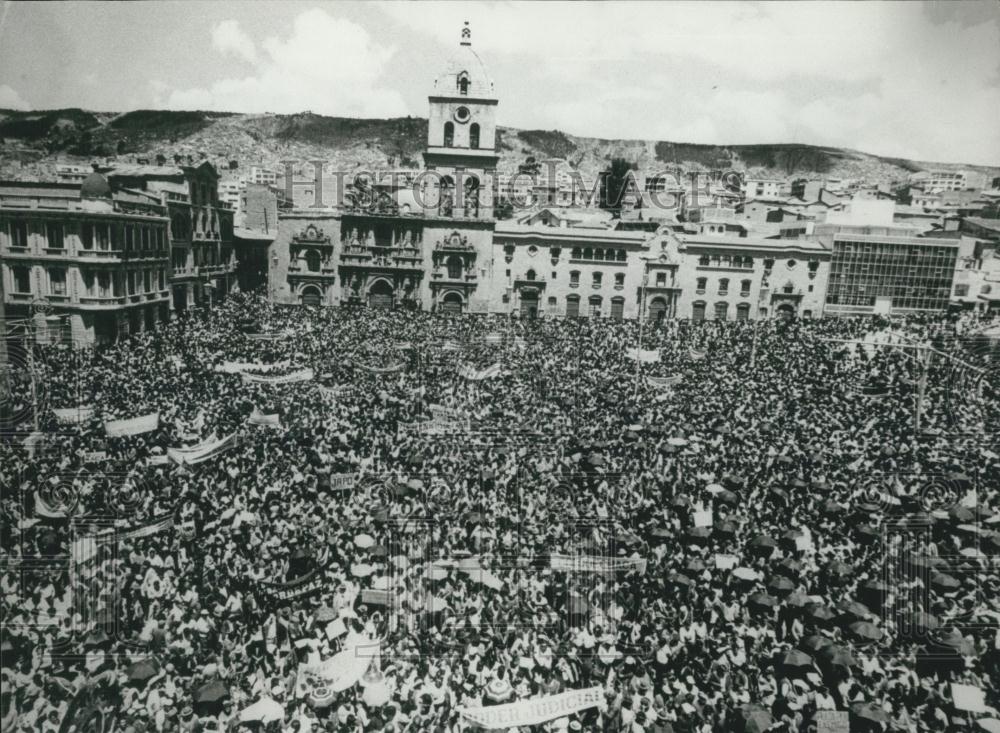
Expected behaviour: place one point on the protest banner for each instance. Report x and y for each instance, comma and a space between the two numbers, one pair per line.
132, 426
477, 375
238, 367
259, 418
534, 711
702, 519
968, 697
697, 354
307, 585
726, 562
158, 460
330, 392
158, 524
493, 338
94, 456
202, 452
664, 381
342, 481
73, 415
643, 355
302, 375
832, 721
596, 563
440, 412
340, 672
374, 597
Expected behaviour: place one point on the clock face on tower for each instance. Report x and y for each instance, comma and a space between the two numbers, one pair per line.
462, 115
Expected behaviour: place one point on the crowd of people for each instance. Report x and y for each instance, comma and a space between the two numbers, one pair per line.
780, 520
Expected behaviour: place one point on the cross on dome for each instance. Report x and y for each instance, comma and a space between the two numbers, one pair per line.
466, 35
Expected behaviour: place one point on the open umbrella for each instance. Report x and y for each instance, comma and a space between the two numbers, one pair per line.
780, 585
364, 541
814, 643
727, 497
762, 601
698, 534
789, 567
694, 566
754, 719
990, 725
211, 692
437, 573
264, 710
362, 570
142, 670
725, 528
797, 600
747, 574
838, 569
853, 611
865, 631
917, 624
818, 613
836, 656
869, 712
796, 660
945, 583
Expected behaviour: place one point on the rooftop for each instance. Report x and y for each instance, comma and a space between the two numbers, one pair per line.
773, 245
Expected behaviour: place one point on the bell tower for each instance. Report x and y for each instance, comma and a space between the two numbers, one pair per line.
461, 133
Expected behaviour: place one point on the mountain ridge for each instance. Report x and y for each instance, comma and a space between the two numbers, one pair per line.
36, 139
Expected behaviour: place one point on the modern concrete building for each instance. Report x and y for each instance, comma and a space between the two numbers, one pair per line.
872, 273
88, 263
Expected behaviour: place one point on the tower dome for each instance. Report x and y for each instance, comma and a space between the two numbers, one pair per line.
465, 74
95, 186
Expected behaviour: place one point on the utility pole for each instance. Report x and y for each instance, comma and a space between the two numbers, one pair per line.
753, 347
642, 303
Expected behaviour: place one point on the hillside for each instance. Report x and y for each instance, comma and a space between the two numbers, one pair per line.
31, 141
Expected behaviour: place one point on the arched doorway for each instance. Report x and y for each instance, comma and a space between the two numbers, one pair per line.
721, 311
698, 312
529, 303
572, 306
743, 312
657, 310
786, 311
451, 303
380, 294
310, 295
618, 308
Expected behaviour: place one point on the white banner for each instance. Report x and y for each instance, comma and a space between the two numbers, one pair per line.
479, 374
203, 451
343, 481
440, 412
330, 392
646, 357
341, 671
259, 418
238, 367
132, 426
664, 381
697, 354
596, 563
73, 415
535, 711
381, 370
303, 375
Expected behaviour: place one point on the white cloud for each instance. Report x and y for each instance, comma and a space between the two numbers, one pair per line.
328, 65
10, 99
228, 37
884, 78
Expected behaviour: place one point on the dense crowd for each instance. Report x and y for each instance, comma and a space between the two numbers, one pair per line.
782, 535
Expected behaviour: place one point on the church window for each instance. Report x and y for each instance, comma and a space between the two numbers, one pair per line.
449, 134
474, 135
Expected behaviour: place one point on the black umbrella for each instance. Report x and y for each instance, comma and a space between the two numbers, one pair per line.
725, 528
814, 643
818, 613
762, 601
780, 585
853, 611
789, 567
727, 497
796, 660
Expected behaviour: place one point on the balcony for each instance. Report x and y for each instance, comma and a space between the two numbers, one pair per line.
101, 302
442, 276
523, 282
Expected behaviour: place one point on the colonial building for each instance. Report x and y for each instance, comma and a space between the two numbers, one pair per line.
726, 278
88, 263
424, 245
567, 271
203, 264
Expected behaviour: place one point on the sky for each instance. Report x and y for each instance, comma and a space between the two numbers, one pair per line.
907, 79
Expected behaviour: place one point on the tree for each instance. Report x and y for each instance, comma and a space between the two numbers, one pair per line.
617, 182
